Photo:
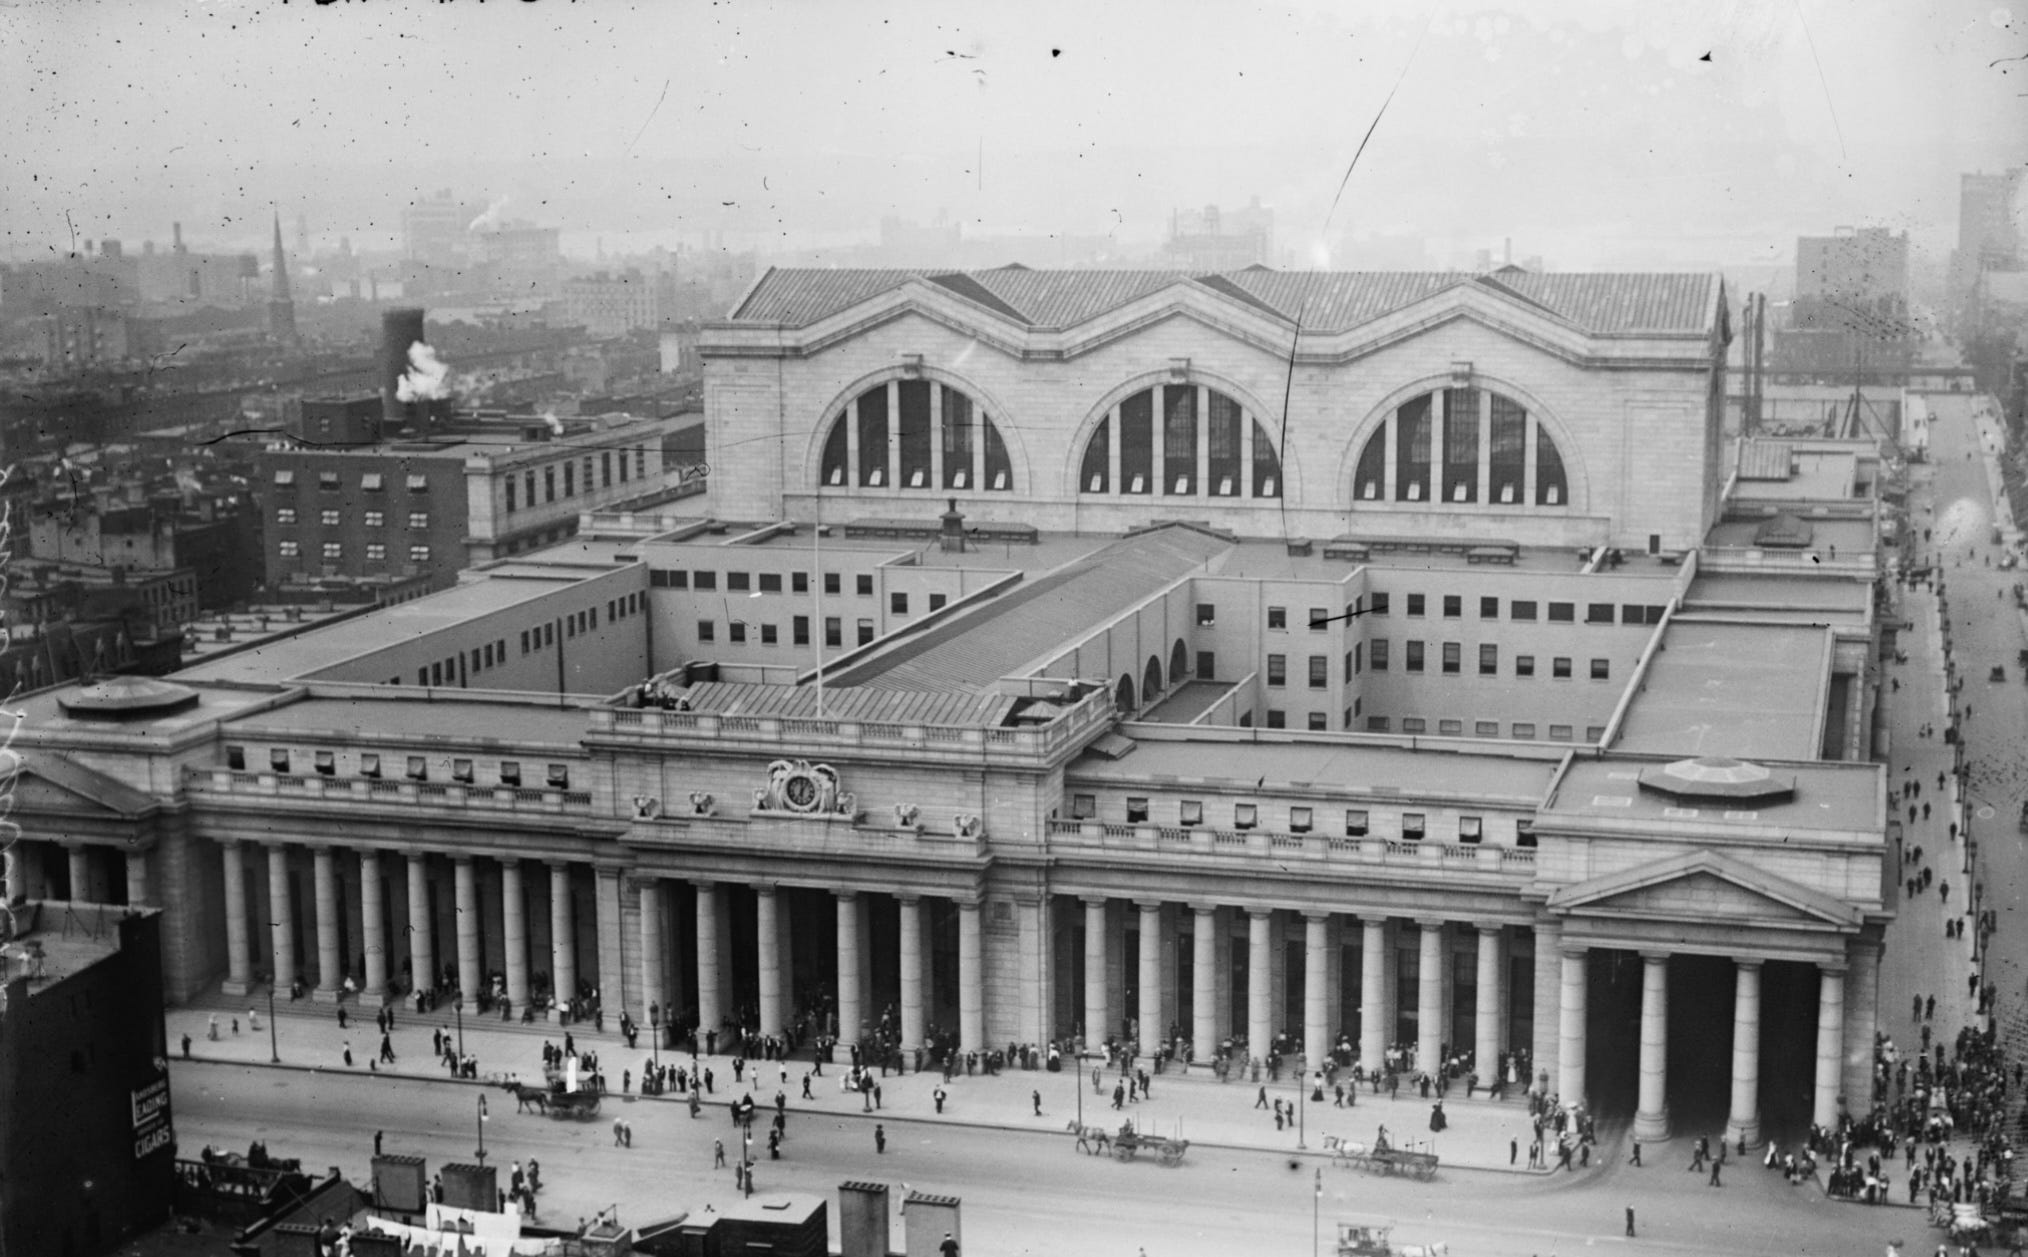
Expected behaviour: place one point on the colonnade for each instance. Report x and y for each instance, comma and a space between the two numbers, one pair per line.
90, 878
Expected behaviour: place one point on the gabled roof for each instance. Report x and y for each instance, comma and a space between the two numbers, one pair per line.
1322, 302
1691, 867
72, 778
739, 698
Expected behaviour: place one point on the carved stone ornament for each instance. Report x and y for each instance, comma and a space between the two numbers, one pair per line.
646, 807
907, 816
801, 788
701, 803
966, 825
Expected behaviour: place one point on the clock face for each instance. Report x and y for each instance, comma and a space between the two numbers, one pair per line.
800, 792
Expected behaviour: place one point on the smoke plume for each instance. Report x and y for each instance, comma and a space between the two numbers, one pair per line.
489, 219
427, 378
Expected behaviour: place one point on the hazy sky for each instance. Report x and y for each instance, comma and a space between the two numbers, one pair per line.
1590, 132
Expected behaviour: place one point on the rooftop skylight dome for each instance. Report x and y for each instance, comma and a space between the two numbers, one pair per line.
1717, 777
127, 698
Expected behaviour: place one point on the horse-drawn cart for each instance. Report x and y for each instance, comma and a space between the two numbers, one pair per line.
582, 1105
1130, 1142
1384, 1159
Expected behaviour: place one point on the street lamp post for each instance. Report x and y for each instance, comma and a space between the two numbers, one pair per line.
481, 1154
1316, 1207
274, 1044
655, 1029
1302, 1092
458, 1007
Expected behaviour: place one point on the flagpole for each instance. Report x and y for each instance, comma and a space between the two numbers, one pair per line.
817, 575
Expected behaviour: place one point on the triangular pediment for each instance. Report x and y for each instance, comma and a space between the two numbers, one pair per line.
48, 783
1708, 887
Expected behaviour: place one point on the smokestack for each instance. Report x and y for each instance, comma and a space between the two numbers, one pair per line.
176, 237
399, 329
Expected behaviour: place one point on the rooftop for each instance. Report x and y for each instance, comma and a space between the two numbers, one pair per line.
1750, 690
725, 698
1828, 796
60, 939
453, 721
1339, 763
1830, 599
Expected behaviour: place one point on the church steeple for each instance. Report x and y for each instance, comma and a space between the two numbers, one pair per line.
281, 308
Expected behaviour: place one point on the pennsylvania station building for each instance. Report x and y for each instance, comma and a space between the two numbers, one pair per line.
1369, 660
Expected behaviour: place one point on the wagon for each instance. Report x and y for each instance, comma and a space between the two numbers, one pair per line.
582, 1105
1358, 1240
1385, 1160
1128, 1143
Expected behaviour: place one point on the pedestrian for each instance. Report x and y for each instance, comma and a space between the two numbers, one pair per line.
348, 1053
1630, 1222
1513, 1151
1715, 1167
718, 1154
341, 1016
619, 1128
806, 1087
387, 1048
1035, 1096
212, 1031
949, 1248
938, 1096
879, 1138
1633, 1160
1260, 1099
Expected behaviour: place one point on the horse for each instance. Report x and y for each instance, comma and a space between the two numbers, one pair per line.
1438, 1249
1088, 1136
1343, 1149
525, 1095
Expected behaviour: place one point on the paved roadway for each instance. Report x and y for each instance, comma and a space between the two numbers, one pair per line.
1023, 1193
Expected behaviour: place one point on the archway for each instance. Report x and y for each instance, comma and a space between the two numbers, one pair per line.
1151, 679
1123, 694
1179, 663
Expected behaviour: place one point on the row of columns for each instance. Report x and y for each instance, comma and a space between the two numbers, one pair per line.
140, 882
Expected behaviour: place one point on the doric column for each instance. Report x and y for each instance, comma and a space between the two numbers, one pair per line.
654, 991
80, 873
1373, 1002
422, 946
562, 934
1570, 1029
1830, 1043
1094, 972
1260, 1034
1152, 1025
372, 924
1862, 1014
1651, 1115
1204, 983
1316, 996
139, 893
1744, 1123
1429, 997
281, 914
709, 1012
912, 1031
1486, 1051
514, 930
971, 978
768, 928
850, 985
470, 979
330, 969
238, 962
1545, 1040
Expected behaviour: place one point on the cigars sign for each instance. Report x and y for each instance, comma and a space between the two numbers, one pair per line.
152, 1131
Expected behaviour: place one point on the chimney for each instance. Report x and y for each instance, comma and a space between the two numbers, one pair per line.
952, 539
176, 237
399, 329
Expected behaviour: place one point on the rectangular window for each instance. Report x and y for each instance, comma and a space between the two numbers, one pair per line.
1601, 669
1594, 733
288, 549
418, 519
524, 641
1320, 619
1278, 617
738, 582
1207, 614
1377, 724
1191, 812
328, 481
284, 476
1378, 604
771, 582
1489, 660
418, 554
369, 764
707, 630
285, 515
606, 469
865, 632
831, 583
1598, 613
1633, 613
704, 582
1083, 807
558, 776
799, 582
1413, 724
1377, 654
1454, 606
1245, 815
418, 768
510, 772
278, 760
1471, 828
1415, 605
461, 771
1413, 826
1355, 822
1277, 718
1524, 665
1559, 667
549, 484
736, 630
1562, 613
436, 674
1486, 728
679, 579
570, 480
1489, 608
1300, 820
937, 602
1415, 651
418, 484
334, 550
863, 584
376, 551
1524, 730
1137, 810
1320, 671
768, 636
328, 518
897, 603
1559, 733
1352, 658
1319, 722
1524, 834
376, 519
1522, 609
1452, 650
834, 631
235, 758
1278, 670
1450, 728
799, 630
511, 495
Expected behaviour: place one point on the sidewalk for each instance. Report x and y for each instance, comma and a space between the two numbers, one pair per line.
1204, 1111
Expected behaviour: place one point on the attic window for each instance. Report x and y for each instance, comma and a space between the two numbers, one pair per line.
285, 476
418, 768
235, 758
278, 760
369, 764
1245, 815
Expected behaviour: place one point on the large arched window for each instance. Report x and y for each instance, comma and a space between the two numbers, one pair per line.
1180, 440
915, 434
1459, 446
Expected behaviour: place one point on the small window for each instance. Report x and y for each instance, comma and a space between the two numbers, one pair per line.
1278, 617
510, 772
1601, 669
524, 641
235, 758
1137, 810
1524, 730
1245, 815
418, 768
736, 630
706, 582
1562, 613
799, 582
1413, 825
768, 635
334, 550
1471, 828
1598, 613
418, 554
1320, 671
1559, 667
461, 771
1524, 665
1319, 722
1207, 614
328, 480
897, 603
1207, 665
558, 776
1524, 834
1489, 660
1415, 656
1320, 619
937, 602
1521, 609
1378, 604
1633, 613
285, 515
1278, 670
1594, 733
418, 484
1489, 608
707, 630
865, 632
327, 764
284, 476
1450, 728
369, 764
863, 583
771, 582
1300, 820
1378, 724
1454, 606
372, 481
738, 582
1277, 718
1486, 728
1355, 822
1452, 658
831, 583
834, 631
799, 630
1413, 724
1559, 733
1377, 654
419, 519
1083, 807
1191, 812
376, 552
1415, 605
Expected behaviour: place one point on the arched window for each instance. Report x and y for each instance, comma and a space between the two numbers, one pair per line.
1180, 440
1458, 446
943, 439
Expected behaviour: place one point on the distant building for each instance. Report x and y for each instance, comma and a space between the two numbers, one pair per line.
324, 421
86, 1126
519, 257
1211, 239
212, 537
79, 338
435, 230
613, 305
